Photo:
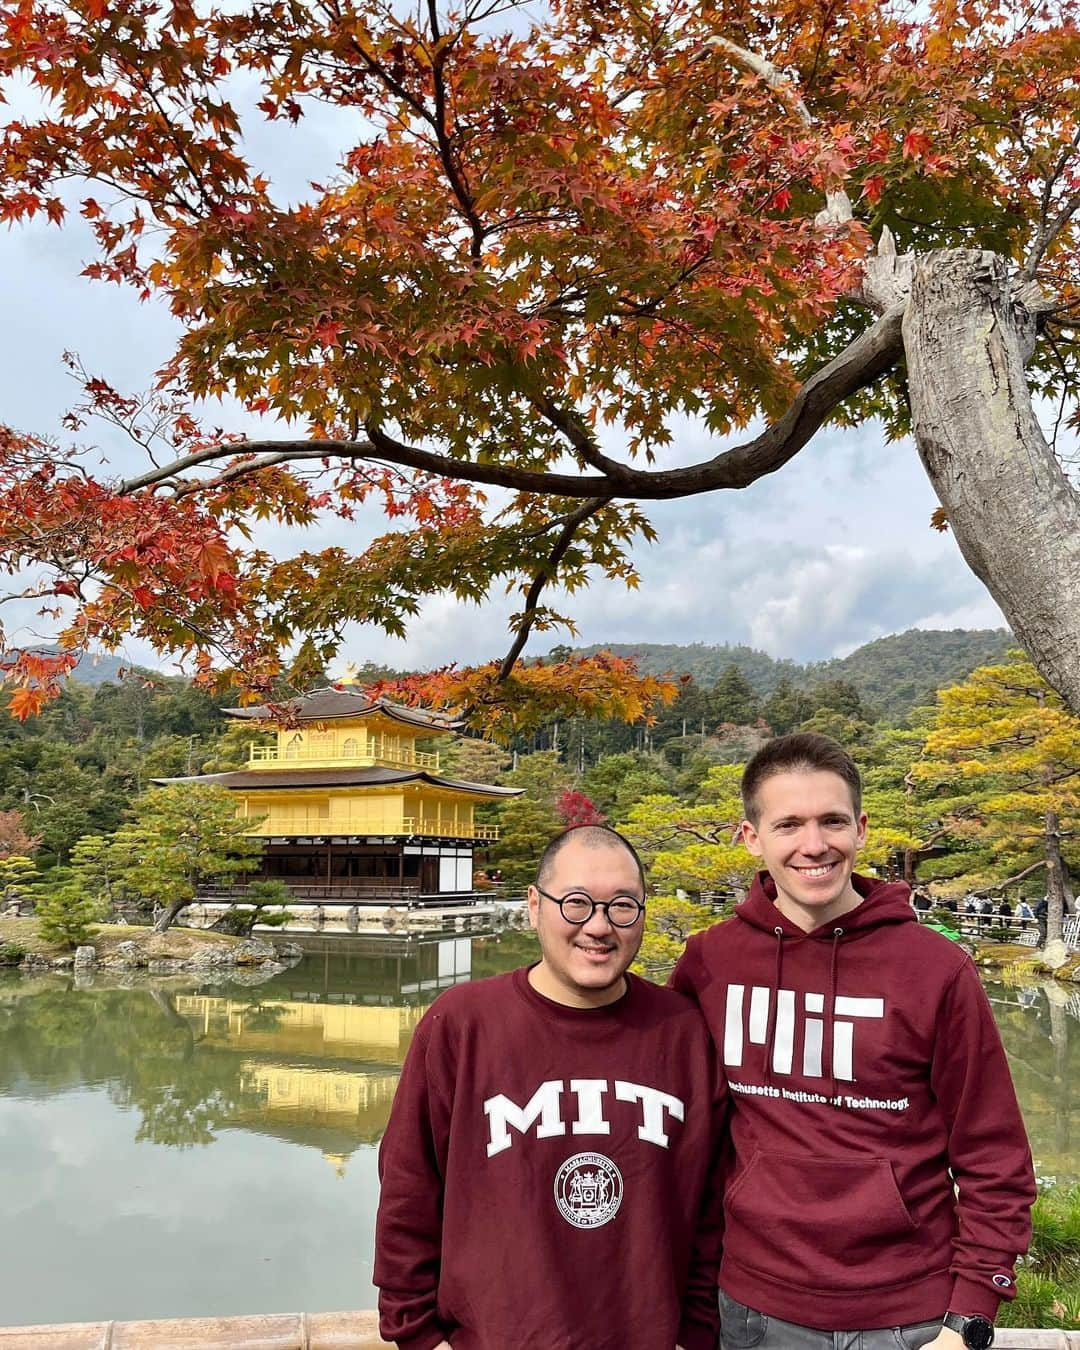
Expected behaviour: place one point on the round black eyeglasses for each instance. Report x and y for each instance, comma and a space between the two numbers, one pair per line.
578, 907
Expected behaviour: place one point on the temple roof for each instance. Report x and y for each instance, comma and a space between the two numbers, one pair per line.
333, 705
257, 780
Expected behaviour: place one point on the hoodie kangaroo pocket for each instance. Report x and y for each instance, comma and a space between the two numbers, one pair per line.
821, 1217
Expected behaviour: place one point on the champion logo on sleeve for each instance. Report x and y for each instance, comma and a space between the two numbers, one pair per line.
1003, 1281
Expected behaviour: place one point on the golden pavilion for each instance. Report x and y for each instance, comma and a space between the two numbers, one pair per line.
351, 811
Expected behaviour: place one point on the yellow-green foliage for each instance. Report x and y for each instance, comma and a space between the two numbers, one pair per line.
693, 848
1001, 753
16, 873
669, 921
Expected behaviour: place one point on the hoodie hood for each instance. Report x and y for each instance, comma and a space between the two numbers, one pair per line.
883, 902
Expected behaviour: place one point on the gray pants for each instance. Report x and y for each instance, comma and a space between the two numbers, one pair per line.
743, 1328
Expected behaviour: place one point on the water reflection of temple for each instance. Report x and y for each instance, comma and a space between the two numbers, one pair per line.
319, 1050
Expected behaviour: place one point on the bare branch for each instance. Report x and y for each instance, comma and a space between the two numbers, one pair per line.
1048, 229
837, 204
547, 573
1011, 881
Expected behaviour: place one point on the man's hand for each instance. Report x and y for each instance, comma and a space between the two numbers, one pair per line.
946, 1339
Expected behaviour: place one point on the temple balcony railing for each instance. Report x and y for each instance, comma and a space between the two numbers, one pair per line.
374, 755
310, 823
430, 825
353, 891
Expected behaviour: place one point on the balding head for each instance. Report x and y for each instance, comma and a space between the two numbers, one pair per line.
586, 837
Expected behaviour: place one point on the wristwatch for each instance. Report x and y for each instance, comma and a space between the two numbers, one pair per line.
977, 1332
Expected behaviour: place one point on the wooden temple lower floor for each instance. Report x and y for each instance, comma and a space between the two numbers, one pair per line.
364, 872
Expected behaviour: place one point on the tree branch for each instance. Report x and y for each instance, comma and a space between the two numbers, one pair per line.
1048, 229
1010, 881
837, 203
872, 353
546, 574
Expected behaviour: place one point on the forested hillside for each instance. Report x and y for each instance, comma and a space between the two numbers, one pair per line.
892, 674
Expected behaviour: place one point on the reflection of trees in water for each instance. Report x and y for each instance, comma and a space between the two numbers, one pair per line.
1041, 1037
1059, 1039
135, 1043
263, 1015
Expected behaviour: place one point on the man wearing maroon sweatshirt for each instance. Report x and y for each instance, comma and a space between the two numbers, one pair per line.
882, 1183
547, 1156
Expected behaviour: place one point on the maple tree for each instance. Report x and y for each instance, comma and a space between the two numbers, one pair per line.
546, 237
15, 839
577, 808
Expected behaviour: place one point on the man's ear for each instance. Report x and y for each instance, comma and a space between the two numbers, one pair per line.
749, 836
860, 831
534, 905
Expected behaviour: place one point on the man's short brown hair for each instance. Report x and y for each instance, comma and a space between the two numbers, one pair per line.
802, 751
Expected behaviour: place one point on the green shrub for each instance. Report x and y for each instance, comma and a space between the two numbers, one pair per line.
66, 915
11, 953
1048, 1278
269, 894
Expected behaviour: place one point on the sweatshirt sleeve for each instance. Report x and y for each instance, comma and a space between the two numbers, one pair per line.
699, 1327
408, 1229
988, 1149
684, 978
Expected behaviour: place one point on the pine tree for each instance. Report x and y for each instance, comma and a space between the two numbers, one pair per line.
1003, 756
786, 707
66, 914
182, 835
693, 847
527, 827
733, 699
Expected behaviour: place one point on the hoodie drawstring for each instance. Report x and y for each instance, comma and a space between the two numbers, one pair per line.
770, 1034
830, 1006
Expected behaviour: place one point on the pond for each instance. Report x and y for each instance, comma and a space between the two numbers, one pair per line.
211, 1149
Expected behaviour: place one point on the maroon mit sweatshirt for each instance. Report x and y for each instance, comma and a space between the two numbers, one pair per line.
543, 1172
866, 1076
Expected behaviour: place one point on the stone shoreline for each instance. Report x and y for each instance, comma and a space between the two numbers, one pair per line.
156, 955
1055, 961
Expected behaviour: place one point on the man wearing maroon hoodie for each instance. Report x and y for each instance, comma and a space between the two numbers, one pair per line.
882, 1183
548, 1151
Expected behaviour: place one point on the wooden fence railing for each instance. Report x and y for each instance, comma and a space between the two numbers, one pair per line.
312, 1331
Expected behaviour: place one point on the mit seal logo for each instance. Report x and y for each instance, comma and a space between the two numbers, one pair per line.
588, 1190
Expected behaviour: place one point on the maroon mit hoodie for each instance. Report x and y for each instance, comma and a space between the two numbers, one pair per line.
867, 1077
543, 1174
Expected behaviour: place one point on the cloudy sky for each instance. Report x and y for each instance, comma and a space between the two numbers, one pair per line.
832, 551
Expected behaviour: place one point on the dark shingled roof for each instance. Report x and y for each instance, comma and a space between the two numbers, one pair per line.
329, 705
261, 779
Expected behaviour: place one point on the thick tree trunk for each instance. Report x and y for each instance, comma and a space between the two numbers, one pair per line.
1056, 877
911, 862
1016, 518
168, 916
